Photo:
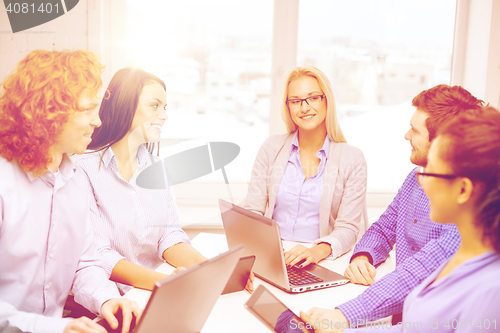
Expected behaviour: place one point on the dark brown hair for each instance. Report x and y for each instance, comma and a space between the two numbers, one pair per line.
118, 107
443, 102
473, 151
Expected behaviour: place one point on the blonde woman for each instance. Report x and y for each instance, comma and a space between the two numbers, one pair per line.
310, 181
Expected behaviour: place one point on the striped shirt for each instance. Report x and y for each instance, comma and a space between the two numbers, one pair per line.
422, 246
129, 222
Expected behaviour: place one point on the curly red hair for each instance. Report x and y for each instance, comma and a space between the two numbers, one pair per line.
37, 100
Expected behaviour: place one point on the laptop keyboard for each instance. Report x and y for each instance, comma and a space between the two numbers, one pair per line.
299, 276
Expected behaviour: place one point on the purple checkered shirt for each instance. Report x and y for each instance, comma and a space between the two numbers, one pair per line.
422, 246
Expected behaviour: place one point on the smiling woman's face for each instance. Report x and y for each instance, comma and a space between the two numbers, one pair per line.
307, 117
150, 114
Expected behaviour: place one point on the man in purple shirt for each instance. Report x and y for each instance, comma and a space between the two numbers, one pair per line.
48, 111
422, 245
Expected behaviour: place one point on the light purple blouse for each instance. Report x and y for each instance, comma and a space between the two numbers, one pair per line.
46, 248
297, 202
466, 300
130, 222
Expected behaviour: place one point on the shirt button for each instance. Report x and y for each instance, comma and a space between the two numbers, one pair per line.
413, 248
415, 221
51, 255
49, 174
53, 222
137, 254
47, 287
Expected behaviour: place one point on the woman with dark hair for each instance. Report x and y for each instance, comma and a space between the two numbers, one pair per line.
135, 229
462, 181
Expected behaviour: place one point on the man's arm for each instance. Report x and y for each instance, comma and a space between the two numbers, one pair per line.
31, 322
96, 292
380, 237
387, 296
375, 245
91, 285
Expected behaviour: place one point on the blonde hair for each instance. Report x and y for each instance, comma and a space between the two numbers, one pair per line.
332, 122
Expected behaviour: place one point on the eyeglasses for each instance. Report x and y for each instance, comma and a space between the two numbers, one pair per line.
421, 174
297, 103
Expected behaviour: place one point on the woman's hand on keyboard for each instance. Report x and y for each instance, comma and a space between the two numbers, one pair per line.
300, 253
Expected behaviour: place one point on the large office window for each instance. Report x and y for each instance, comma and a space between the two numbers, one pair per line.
378, 56
216, 60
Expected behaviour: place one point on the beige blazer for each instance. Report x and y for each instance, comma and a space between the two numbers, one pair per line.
342, 215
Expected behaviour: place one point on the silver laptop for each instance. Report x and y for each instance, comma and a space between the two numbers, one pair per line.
261, 237
182, 303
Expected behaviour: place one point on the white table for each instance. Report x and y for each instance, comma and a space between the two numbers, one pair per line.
229, 313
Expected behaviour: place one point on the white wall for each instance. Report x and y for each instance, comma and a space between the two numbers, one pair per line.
476, 58
69, 31
95, 25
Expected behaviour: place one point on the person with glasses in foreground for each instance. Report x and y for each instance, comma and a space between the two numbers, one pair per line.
310, 181
462, 182
136, 229
48, 111
422, 245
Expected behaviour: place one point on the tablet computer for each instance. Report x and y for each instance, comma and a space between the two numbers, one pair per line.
273, 313
240, 275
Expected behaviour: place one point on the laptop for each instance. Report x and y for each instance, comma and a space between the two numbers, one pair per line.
182, 303
273, 313
261, 237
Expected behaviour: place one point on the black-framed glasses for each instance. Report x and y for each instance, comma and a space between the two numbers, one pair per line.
421, 174
296, 103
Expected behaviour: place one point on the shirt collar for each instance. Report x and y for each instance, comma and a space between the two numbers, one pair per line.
108, 156
295, 141
142, 156
326, 145
66, 169
325, 148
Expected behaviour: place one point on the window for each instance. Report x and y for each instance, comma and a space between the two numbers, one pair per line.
378, 55
215, 58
